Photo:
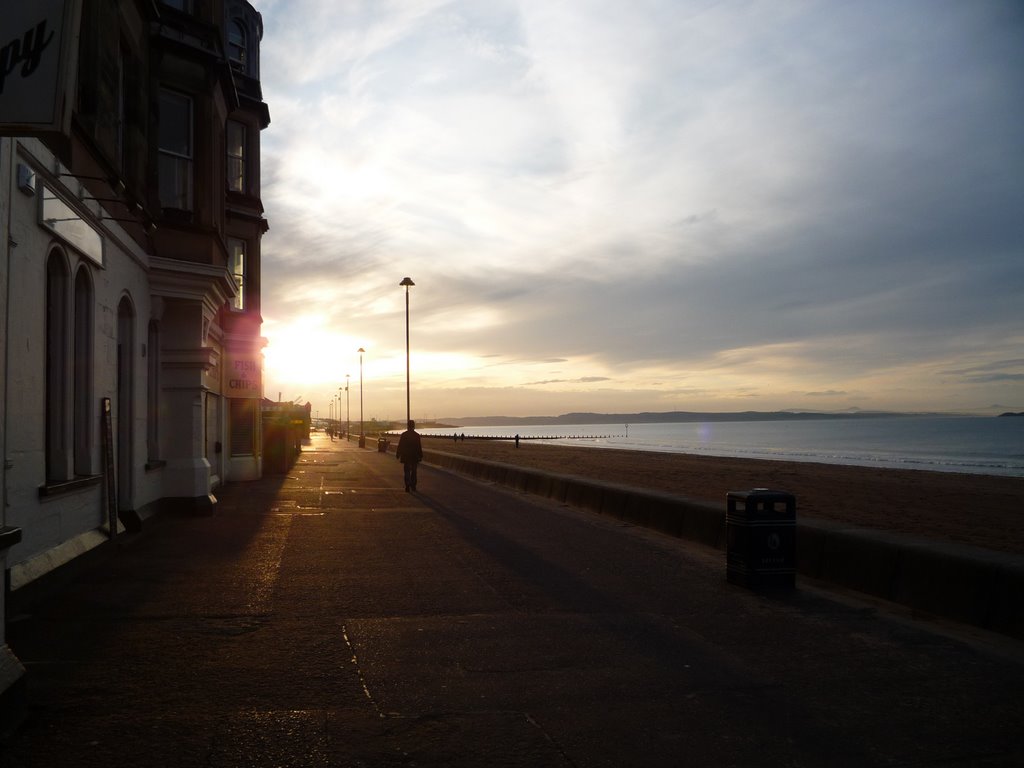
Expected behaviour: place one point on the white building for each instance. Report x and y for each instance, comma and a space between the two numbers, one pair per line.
130, 226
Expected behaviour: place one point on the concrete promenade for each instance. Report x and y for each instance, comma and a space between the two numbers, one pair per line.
954, 581
327, 618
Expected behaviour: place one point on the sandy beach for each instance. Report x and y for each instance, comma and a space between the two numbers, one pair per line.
980, 510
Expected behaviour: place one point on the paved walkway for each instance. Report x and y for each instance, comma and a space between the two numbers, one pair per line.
327, 618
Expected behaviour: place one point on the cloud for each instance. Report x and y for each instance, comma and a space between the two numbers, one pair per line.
581, 380
998, 371
689, 200
992, 377
996, 365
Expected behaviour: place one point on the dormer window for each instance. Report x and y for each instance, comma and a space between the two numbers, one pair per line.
237, 45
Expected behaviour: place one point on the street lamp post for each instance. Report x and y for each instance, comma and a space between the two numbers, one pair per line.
347, 411
362, 437
407, 282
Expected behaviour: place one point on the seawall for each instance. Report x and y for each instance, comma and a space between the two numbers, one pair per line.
954, 581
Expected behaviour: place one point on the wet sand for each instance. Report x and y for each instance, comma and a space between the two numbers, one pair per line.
980, 510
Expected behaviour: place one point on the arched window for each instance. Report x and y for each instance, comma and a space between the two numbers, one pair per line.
56, 388
125, 401
83, 373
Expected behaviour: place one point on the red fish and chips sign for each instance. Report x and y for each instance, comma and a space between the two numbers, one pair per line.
244, 375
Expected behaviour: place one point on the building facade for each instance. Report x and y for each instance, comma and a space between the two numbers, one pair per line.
130, 335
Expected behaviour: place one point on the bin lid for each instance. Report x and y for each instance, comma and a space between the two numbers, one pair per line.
765, 494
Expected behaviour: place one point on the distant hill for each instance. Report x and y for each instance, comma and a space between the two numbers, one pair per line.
668, 417
1009, 413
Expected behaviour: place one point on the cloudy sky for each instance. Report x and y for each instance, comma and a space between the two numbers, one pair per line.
645, 206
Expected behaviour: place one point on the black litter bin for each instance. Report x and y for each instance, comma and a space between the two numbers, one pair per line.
760, 530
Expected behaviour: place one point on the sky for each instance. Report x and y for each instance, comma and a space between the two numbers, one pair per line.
644, 206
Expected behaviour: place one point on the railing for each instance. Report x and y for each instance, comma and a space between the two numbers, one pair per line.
513, 438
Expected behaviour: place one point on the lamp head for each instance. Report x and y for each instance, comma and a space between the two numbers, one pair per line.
407, 281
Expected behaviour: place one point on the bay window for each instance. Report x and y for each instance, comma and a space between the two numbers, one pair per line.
176, 150
236, 156
236, 263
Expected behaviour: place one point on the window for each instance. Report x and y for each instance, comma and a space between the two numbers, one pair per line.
236, 156
56, 367
70, 417
121, 95
236, 258
243, 426
236, 44
175, 150
83, 369
125, 414
153, 393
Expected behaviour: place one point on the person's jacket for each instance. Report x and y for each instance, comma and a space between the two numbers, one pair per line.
410, 448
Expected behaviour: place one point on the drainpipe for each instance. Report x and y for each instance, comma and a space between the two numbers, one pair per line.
12, 672
9, 246
8, 536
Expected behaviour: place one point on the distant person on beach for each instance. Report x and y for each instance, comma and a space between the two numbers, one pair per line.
410, 453
517, 440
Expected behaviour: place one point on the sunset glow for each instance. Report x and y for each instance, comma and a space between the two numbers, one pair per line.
305, 352
669, 205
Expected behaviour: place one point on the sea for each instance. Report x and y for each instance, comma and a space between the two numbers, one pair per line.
983, 446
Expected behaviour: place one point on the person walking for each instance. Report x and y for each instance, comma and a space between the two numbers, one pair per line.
410, 453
